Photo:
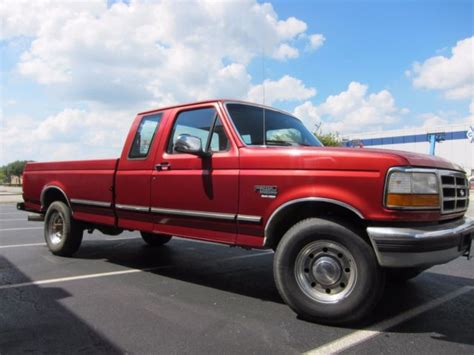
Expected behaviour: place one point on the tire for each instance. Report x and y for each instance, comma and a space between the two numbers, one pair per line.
403, 275
327, 273
62, 234
155, 240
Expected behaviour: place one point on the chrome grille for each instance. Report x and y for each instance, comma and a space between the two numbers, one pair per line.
455, 192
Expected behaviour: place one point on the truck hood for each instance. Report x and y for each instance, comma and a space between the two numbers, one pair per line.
337, 158
418, 159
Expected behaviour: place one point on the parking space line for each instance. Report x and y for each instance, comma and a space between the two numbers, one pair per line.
360, 336
248, 256
39, 244
102, 274
81, 277
19, 229
21, 245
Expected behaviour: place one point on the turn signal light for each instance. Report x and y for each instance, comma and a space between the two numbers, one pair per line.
413, 200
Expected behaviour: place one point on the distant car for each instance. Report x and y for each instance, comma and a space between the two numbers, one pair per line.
471, 182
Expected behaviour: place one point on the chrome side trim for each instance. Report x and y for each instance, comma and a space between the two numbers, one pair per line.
307, 199
132, 208
248, 218
202, 214
90, 202
46, 188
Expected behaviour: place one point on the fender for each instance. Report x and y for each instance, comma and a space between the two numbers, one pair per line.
53, 187
287, 204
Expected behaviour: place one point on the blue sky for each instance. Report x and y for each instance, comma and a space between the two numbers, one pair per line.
375, 42
74, 74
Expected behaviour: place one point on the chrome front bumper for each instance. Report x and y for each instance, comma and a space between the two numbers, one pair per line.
422, 246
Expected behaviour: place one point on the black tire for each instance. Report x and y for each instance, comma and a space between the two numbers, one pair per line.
62, 234
403, 275
155, 240
354, 279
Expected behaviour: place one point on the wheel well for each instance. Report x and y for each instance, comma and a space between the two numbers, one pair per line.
292, 214
51, 195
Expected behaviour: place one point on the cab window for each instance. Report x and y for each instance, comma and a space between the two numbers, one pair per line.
144, 137
200, 123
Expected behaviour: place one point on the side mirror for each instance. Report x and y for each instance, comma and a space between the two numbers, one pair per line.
189, 144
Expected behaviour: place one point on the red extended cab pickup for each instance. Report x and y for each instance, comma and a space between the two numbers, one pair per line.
339, 219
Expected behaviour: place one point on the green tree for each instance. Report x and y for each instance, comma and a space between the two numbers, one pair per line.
329, 139
12, 169
3, 176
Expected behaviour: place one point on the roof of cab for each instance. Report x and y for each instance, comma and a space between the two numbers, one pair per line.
182, 105
203, 102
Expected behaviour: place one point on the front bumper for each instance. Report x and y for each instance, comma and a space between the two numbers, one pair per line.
421, 246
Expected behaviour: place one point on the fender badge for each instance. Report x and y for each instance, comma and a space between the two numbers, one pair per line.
267, 191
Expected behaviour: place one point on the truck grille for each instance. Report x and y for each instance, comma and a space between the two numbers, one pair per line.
455, 192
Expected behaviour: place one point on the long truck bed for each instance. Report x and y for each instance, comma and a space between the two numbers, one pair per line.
80, 181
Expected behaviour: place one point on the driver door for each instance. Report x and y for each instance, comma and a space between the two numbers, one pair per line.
195, 196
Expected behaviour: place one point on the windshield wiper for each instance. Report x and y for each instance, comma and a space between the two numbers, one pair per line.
287, 143
276, 142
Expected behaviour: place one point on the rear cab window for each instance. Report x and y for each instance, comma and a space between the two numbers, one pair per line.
144, 136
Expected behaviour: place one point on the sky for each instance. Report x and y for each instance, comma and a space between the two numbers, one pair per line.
73, 74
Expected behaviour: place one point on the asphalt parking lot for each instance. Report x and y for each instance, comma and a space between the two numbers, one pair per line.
118, 295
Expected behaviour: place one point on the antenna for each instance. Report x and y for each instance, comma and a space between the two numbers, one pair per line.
263, 93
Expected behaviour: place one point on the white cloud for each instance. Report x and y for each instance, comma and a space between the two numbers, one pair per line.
69, 135
286, 88
141, 54
432, 120
353, 110
454, 75
148, 51
28, 18
286, 52
315, 41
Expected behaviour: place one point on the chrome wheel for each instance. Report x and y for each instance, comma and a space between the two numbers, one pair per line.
56, 228
325, 271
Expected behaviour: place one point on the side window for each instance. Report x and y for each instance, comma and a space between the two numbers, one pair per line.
199, 123
144, 136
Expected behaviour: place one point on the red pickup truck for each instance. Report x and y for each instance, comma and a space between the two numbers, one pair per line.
339, 219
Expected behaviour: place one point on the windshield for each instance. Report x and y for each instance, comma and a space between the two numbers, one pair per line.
280, 129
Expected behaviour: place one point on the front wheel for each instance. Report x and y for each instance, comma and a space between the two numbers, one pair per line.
327, 273
155, 240
62, 233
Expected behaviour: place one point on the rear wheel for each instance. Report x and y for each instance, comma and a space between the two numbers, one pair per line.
155, 240
327, 273
62, 234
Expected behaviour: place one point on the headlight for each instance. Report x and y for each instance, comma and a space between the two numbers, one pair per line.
412, 190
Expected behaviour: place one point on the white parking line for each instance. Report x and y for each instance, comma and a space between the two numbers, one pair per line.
102, 274
19, 229
18, 213
248, 256
81, 277
360, 336
21, 245
39, 244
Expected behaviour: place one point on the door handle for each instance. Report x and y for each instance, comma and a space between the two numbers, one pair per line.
163, 166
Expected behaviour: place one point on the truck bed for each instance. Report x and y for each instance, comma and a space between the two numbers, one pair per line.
87, 186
